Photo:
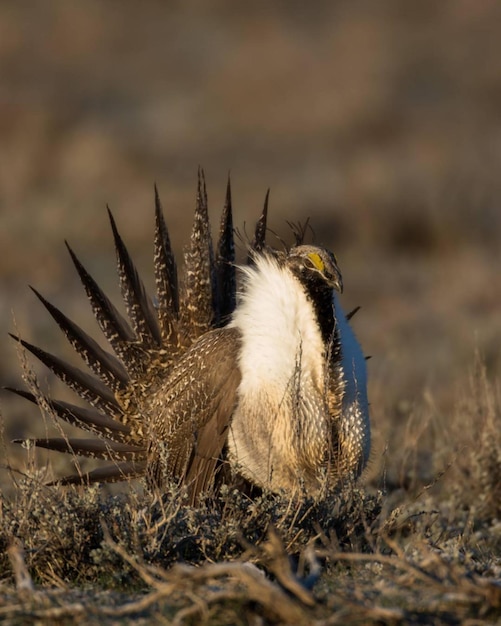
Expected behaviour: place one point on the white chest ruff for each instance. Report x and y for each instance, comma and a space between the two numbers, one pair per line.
278, 328
282, 368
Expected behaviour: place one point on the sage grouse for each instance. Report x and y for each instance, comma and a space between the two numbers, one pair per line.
268, 380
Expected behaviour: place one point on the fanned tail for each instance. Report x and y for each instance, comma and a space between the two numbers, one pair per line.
147, 348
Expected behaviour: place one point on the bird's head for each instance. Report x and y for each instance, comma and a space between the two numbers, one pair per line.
315, 265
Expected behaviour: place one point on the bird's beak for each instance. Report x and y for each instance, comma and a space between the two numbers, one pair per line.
336, 281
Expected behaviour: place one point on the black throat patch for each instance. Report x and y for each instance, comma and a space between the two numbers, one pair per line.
321, 297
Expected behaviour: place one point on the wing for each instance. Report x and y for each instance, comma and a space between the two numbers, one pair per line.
193, 411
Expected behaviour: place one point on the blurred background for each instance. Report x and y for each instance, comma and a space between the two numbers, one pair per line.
379, 121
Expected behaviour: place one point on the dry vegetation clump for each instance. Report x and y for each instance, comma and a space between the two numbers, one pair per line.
63, 530
66, 538
477, 429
